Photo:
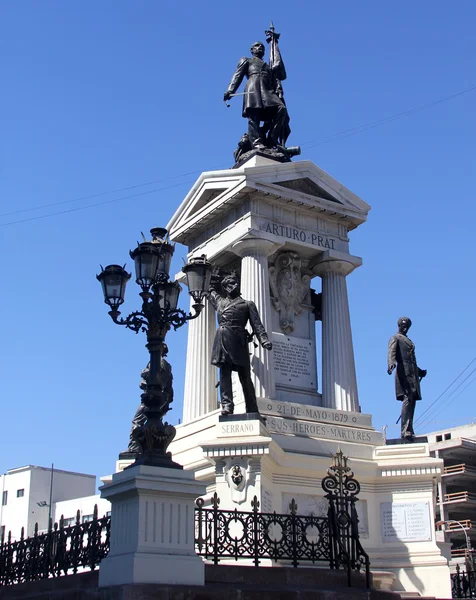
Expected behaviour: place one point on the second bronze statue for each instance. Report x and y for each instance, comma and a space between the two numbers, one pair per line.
230, 348
401, 355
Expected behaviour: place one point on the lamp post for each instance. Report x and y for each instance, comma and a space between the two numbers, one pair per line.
463, 528
158, 314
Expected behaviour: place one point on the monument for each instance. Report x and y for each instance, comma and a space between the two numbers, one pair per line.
283, 229
401, 355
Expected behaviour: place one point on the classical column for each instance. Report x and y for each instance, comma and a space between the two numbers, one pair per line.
254, 254
339, 382
200, 393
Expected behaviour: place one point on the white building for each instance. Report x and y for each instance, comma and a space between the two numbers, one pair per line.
27, 493
456, 500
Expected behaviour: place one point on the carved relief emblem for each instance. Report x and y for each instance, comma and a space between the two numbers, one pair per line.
289, 288
236, 475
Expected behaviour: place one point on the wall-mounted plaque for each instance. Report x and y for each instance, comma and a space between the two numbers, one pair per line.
294, 361
405, 521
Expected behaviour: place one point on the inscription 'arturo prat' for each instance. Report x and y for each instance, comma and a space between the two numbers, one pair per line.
301, 235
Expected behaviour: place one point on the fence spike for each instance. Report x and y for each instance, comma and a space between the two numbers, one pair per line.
78, 517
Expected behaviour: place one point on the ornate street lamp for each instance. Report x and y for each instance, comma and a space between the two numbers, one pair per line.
158, 314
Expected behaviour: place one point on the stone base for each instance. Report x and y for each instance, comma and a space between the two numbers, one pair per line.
222, 581
152, 528
421, 439
147, 567
242, 417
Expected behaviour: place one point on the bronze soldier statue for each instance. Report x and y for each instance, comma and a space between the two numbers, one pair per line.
166, 382
263, 99
230, 348
401, 355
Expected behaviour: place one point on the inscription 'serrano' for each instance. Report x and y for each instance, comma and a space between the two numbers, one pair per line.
301, 235
237, 428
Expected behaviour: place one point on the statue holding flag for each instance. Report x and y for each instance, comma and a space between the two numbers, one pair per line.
263, 100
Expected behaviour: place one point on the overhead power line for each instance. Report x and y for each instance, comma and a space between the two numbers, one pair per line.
123, 189
364, 127
336, 136
472, 375
440, 397
62, 212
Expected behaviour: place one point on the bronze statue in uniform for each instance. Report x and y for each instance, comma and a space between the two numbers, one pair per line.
230, 348
401, 355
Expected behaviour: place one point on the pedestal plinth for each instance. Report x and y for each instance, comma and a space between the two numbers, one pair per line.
152, 528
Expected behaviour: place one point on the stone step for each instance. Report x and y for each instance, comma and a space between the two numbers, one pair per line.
224, 582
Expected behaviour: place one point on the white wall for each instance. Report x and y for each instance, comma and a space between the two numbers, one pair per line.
14, 515
25, 511
85, 505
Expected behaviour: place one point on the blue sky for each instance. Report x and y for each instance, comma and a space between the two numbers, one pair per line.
100, 96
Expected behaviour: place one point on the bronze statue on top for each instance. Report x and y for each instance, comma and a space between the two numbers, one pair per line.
263, 102
230, 348
401, 355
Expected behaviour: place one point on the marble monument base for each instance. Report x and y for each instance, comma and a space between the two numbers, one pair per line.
152, 528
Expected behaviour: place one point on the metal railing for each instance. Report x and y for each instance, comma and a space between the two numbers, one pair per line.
459, 469
460, 497
288, 538
463, 583
60, 551
219, 535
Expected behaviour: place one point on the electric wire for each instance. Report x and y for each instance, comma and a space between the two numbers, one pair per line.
338, 135
123, 189
62, 212
366, 126
444, 392
445, 406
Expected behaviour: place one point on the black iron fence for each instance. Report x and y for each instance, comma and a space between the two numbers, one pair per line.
59, 551
463, 583
288, 538
293, 539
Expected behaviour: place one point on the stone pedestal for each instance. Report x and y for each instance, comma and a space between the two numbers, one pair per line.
152, 528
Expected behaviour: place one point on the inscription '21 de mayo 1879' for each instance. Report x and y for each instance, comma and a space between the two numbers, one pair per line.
301, 235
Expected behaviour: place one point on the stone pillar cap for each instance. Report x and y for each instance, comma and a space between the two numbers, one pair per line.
333, 260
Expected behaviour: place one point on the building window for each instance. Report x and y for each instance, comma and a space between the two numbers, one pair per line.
69, 522
108, 514
439, 438
4, 498
447, 436
20, 493
87, 518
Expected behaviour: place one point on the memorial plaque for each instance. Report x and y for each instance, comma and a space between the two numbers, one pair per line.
294, 362
405, 521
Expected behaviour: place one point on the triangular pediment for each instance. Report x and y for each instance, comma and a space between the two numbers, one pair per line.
224, 196
307, 186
